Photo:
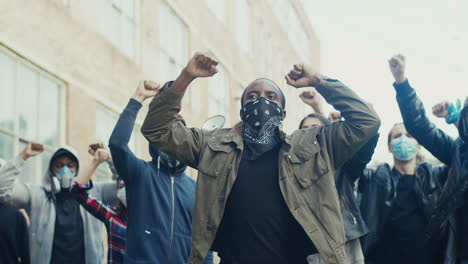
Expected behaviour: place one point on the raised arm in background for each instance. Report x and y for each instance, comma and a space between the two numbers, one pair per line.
125, 162
414, 115
13, 192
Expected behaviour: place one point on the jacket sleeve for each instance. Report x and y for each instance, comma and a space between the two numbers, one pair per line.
343, 139
95, 207
13, 193
356, 165
209, 258
419, 126
125, 162
175, 139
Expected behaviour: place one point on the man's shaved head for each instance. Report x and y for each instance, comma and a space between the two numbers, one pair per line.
263, 87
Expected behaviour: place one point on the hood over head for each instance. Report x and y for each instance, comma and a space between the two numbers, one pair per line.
158, 158
64, 150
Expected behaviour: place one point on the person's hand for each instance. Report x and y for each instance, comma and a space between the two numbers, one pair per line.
145, 90
302, 76
441, 109
313, 99
334, 116
397, 67
101, 155
201, 65
94, 147
32, 149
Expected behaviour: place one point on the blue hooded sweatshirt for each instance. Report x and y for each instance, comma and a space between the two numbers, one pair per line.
160, 200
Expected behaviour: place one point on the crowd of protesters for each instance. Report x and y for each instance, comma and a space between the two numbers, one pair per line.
261, 196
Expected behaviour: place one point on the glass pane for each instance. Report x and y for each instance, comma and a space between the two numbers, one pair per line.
129, 7
105, 122
28, 172
49, 112
6, 147
116, 28
164, 26
129, 38
27, 102
7, 86
165, 67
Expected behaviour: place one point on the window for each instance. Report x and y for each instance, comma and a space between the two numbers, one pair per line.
219, 97
106, 120
173, 41
118, 22
219, 9
244, 24
31, 109
288, 18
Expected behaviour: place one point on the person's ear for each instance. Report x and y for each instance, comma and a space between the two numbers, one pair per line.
283, 116
390, 147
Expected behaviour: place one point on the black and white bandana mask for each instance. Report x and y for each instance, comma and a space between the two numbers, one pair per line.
261, 120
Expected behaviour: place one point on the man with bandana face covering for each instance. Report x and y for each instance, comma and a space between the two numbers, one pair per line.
451, 211
160, 196
263, 196
60, 231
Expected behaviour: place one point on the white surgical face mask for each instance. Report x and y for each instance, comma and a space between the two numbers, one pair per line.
122, 196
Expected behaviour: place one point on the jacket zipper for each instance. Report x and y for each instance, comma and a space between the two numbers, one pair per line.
172, 218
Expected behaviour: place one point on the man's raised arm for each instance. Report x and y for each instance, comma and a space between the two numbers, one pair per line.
160, 127
343, 139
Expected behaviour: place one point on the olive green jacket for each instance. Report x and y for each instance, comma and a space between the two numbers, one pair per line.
308, 159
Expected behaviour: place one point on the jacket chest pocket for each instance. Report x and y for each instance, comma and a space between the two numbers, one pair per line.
308, 164
215, 159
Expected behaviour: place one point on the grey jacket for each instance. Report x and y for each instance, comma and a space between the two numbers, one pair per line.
38, 203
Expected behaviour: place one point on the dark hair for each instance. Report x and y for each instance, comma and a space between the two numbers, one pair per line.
322, 119
283, 98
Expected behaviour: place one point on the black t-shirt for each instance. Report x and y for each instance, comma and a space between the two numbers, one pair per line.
257, 226
404, 230
68, 245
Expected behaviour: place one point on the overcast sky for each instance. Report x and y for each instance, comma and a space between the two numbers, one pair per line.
357, 38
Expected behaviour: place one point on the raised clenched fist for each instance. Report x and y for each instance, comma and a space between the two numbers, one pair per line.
310, 97
335, 116
145, 90
32, 149
441, 109
397, 66
92, 148
201, 65
101, 155
302, 76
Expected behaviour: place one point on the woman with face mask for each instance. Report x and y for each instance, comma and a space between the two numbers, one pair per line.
451, 209
114, 218
395, 204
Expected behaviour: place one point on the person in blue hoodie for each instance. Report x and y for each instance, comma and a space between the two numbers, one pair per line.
160, 196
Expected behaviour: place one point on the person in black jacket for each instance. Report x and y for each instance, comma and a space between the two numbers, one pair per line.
14, 235
345, 181
451, 209
396, 204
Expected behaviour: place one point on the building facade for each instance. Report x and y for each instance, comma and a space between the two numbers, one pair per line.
68, 67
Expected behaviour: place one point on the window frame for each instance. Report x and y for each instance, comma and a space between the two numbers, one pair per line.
19, 140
